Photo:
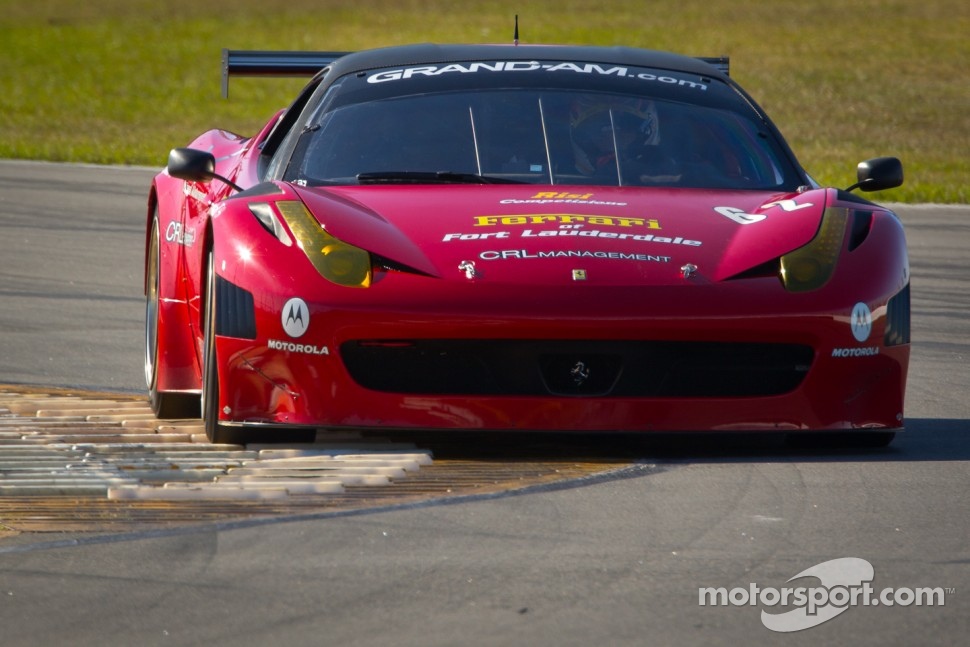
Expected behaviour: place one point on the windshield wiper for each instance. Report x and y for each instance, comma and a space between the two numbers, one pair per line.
430, 177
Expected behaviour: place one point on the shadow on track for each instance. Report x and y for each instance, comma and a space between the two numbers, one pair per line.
925, 439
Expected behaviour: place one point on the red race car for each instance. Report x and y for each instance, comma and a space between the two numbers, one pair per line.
513, 237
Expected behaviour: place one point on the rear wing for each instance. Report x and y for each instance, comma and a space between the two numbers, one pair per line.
295, 64
273, 63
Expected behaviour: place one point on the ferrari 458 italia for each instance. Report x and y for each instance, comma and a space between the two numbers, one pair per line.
519, 237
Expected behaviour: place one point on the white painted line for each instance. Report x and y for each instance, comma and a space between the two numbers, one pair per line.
356, 453
254, 469
165, 476
300, 463
421, 458
123, 418
64, 480
54, 490
196, 493
140, 422
302, 486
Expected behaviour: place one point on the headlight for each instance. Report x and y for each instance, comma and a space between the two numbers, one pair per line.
334, 259
267, 218
810, 267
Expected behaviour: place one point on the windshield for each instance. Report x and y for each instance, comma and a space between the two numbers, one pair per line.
550, 136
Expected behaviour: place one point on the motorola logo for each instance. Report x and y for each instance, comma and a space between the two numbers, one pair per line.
296, 317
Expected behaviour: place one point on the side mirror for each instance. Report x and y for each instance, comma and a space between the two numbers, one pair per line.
191, 165
878, 174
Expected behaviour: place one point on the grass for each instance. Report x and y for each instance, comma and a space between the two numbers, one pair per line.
123, 81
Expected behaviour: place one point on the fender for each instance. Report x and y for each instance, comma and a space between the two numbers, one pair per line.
177, 364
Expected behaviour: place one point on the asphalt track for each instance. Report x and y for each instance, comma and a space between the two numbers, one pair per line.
617, 558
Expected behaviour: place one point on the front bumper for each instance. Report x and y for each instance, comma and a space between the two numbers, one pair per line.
400, 368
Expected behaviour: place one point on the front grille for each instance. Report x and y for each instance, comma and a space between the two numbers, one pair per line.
576, 368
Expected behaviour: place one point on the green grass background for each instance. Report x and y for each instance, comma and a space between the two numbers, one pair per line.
123, 81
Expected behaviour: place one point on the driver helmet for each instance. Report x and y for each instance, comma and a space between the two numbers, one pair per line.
599, 126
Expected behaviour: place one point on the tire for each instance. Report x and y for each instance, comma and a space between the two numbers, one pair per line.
165, 405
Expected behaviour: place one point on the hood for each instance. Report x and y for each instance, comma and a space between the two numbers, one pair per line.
551, 235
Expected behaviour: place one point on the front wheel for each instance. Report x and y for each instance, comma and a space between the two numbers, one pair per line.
164, 404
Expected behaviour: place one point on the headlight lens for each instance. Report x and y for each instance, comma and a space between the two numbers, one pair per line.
267, 218
334, 259
810, 267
